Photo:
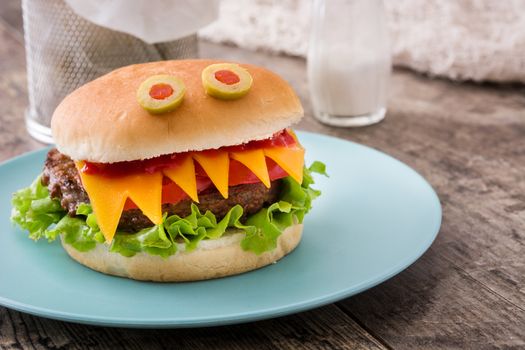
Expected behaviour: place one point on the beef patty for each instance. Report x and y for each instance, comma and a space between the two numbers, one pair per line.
63, 181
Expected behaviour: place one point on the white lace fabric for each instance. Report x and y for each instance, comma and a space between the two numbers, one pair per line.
479, 40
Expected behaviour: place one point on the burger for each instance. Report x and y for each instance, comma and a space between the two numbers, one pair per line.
173, 171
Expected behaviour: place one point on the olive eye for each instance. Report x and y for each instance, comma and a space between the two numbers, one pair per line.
161, 93
226, 81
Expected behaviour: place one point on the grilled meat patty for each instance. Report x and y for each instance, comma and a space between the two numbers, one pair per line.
63, 181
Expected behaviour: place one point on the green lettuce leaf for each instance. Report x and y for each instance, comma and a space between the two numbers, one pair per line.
43, 217
34, 211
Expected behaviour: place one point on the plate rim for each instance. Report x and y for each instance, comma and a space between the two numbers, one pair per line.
248, 316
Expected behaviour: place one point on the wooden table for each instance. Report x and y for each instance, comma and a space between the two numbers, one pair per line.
466, 292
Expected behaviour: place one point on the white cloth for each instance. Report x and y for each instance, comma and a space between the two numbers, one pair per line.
459, 39
153, 21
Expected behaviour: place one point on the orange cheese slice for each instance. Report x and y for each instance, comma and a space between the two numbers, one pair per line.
145, 190
184, 176
107, 201
216, 164
256, 162
108, 196
291, 159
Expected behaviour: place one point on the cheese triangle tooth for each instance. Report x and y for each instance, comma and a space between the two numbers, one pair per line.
108, 196
256, 162
108, 211
184, 176
145, 190
107, 199
291, 159
216, 164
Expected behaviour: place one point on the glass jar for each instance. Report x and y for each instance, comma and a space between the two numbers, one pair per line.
349, 62
65, 51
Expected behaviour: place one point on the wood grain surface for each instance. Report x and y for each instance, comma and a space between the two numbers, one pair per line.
466, 292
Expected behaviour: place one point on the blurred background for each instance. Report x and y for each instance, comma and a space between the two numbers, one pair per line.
480, 40
70, 42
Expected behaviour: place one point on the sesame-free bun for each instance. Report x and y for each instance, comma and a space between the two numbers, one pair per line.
211, 259
103, 122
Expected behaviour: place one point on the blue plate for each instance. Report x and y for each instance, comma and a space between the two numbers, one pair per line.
376, 216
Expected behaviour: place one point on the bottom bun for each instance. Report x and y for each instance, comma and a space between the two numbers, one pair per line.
212, 259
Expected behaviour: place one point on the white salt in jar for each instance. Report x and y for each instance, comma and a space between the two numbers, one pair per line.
349, 62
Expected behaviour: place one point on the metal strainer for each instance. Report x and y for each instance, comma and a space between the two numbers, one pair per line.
64, 51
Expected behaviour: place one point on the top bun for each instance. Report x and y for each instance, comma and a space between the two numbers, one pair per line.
103, 122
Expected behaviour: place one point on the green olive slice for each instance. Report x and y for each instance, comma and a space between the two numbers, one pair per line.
161, 93
226, 81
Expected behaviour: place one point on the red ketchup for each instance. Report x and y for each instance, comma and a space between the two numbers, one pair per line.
281, 139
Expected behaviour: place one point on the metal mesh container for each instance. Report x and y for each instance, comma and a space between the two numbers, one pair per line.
64, 51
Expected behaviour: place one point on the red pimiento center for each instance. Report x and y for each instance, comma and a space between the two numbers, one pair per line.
227, 77
160, 91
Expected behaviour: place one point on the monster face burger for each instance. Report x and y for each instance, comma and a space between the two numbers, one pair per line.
173, 171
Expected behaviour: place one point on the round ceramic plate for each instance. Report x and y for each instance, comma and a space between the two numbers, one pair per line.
375, 217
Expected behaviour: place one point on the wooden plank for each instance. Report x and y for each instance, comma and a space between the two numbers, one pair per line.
13, 98
11, 16
469, 142
436, 305
325, 328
